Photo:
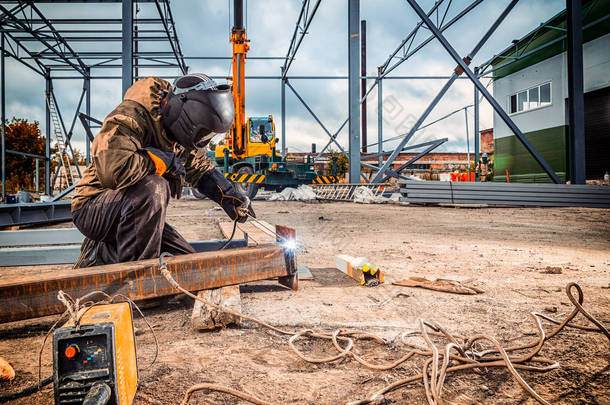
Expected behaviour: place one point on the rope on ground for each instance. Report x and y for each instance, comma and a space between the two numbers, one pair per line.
467, 356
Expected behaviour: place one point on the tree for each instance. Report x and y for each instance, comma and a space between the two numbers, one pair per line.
342, 163
23, 136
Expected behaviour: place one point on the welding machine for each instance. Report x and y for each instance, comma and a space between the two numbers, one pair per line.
96, 362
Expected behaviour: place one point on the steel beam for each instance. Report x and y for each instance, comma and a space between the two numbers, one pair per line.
68, 254
34, 213
434, 145
127, 55
576, 99
314, 116
30, 237
419, 145
353, 89
29, 296
175, 46
300, 30
463, 67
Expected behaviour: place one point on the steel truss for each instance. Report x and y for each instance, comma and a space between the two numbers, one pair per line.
23, 24
49, 48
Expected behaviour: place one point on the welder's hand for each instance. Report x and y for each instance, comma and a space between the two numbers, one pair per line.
166, 162
176, 183
214, 186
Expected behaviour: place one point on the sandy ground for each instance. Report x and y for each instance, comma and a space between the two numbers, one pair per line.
507, 250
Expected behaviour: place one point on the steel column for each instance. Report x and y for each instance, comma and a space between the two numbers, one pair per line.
3, 115
283, 116
30, 296
353, 89
463, 67
379, 119
37, 176
576, 100
47, 162
477, 133
127, 34
88, 112
467, 141
363, 82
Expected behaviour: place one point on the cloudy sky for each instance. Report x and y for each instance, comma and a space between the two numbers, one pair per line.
203, 27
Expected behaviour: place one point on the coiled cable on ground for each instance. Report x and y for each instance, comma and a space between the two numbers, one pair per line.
455, 356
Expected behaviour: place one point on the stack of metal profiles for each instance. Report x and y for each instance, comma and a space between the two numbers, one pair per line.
537, 195
34, 213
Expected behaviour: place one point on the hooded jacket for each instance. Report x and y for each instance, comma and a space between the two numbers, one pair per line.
117, 156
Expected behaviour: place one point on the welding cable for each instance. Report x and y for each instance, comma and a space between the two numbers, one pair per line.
228, 242
214, 387
467, 357
26, 391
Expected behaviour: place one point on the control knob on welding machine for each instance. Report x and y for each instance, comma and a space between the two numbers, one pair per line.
71, 351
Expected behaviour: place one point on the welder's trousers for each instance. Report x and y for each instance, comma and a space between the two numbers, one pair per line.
129, 224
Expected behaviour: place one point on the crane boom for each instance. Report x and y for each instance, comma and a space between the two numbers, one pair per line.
240, 48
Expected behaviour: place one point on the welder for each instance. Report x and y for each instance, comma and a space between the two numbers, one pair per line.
146, 149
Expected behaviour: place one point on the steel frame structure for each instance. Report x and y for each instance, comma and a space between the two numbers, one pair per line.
47, 47
22, 23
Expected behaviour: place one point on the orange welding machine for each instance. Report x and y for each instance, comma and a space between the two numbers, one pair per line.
96, 362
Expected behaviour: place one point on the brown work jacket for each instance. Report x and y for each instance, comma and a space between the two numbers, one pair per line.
117, 156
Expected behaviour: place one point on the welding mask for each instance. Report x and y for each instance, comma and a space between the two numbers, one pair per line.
196, 109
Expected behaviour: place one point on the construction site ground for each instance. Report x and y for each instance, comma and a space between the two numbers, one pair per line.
521, 257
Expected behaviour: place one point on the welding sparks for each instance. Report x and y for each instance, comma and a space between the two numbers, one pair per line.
290, 244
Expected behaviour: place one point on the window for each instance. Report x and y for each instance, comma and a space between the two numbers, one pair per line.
260, 127
530, 99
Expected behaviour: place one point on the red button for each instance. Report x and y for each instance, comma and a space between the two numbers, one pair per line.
71, 351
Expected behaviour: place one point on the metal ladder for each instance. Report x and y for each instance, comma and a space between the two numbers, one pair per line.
61, 142
345, 192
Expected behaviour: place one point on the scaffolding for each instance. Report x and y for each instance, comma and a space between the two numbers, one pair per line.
23, 24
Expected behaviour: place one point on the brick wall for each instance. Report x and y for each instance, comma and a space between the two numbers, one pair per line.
487, 141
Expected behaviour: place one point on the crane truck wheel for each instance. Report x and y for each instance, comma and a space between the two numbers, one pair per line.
248, 189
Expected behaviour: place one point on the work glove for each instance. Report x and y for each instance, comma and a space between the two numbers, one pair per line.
169, 166
214, 186
176, 184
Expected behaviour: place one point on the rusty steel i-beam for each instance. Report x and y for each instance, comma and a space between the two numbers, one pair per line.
32, 296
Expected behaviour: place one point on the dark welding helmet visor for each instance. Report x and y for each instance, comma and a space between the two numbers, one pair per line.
196, 109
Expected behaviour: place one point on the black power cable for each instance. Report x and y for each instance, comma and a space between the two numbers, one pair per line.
26, 391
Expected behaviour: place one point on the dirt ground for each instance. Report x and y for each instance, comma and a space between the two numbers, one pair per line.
507, 250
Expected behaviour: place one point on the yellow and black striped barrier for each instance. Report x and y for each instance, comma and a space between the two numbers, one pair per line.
325, 180
245, 177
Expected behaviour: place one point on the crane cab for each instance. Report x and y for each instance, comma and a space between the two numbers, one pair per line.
260, 139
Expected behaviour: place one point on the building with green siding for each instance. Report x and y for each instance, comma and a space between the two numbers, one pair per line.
530, 83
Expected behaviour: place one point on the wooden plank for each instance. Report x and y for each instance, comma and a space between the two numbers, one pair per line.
258, 234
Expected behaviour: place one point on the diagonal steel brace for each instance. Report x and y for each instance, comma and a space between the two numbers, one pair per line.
457, 72
463, 67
